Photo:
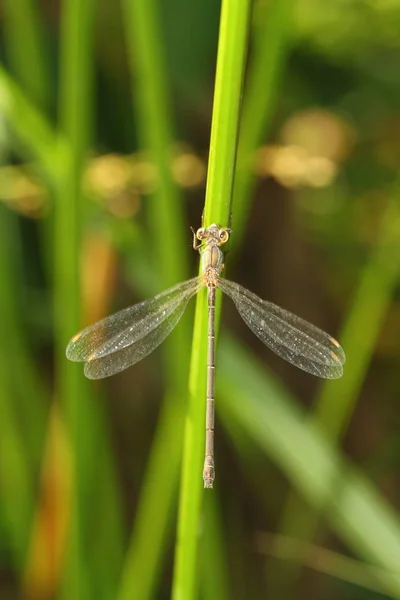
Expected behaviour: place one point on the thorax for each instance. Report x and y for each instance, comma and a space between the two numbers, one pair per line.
212, 262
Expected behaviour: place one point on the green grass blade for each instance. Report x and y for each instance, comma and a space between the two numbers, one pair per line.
33, 133
151, 104
325, 561
27, 59
273, 22
356, 511
17, 489
228, 85
213, 559
75, 108
28, 392
150, 95
154, 515
16, 497
336, 403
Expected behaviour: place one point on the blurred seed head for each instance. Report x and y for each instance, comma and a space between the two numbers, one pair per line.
314, 143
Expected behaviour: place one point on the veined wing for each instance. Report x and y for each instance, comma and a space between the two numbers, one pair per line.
126, 337
289, 336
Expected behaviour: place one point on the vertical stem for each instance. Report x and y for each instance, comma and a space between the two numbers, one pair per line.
28, 59
17, 486
75, 108
271, 47
232, 51
150, 95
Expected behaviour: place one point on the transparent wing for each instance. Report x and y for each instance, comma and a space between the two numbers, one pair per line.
292, 338
126, 337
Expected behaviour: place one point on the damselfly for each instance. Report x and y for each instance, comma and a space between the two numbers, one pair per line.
126, 337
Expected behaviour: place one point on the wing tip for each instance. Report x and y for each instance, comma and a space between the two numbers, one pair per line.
69, 352
89, 373
70, 347
335, 342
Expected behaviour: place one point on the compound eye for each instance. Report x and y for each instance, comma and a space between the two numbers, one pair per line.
224, 236
200, 233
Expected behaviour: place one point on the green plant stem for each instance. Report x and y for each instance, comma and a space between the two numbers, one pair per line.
272, 25
150, 93
32, 130
16, 473
28, 59
164, 208
231, 60
215, 573
29, 395
75, 108
335, 404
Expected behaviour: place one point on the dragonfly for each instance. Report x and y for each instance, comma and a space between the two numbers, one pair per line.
124, 338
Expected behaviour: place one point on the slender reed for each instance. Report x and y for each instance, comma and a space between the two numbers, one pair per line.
231, 60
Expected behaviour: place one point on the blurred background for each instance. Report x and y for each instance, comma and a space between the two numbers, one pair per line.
105, 114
